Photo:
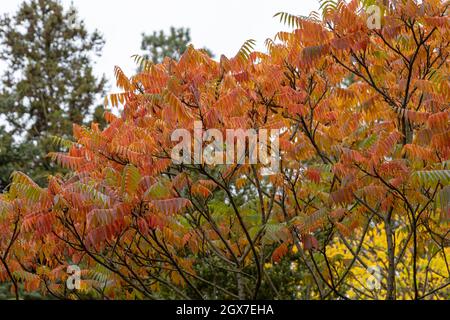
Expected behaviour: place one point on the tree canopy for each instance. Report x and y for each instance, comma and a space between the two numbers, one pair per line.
160, 45
358, 210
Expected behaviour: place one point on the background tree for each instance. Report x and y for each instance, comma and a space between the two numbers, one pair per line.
48, 84
159, 45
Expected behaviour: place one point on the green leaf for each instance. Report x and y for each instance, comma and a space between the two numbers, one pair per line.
431, 177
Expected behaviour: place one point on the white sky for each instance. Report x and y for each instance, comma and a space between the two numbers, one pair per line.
220, 25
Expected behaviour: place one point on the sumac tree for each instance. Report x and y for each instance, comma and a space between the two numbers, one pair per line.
363, 180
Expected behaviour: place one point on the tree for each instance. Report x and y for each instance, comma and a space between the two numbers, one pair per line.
361, 194
12, 155
159, 45
48, 83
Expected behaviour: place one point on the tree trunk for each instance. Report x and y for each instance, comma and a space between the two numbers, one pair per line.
391, 257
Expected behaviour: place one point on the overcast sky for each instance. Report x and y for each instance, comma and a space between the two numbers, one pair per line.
220, 25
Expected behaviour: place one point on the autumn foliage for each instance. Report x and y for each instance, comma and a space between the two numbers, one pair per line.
363, 181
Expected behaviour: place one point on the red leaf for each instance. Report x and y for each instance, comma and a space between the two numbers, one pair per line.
310, 242
313, 175
279, 252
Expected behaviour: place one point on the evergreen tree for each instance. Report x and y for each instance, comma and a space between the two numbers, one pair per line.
159, 45
48, 83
